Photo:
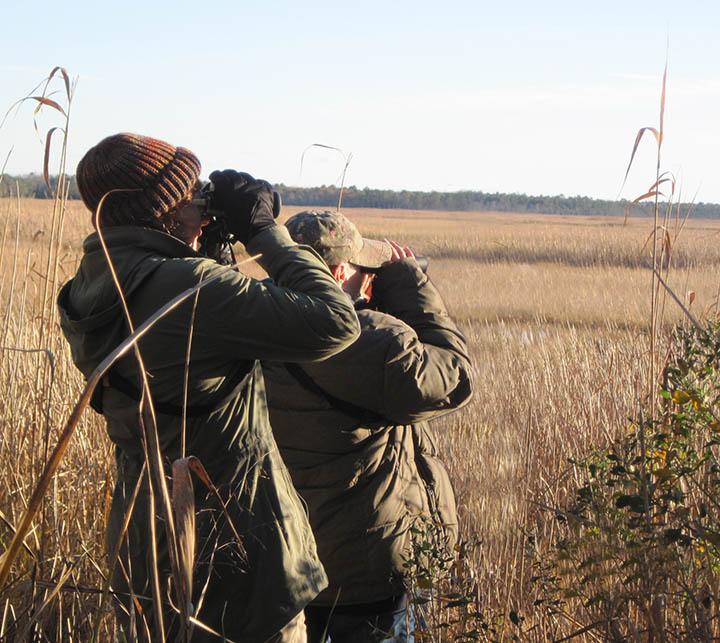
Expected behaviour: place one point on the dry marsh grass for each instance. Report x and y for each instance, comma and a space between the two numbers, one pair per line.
556, 311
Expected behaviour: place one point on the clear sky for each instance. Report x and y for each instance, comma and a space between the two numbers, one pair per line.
535, 97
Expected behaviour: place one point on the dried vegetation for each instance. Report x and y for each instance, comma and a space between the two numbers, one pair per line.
568, 327
560, 351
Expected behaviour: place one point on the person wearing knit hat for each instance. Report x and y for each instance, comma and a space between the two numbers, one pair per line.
254, 564
137, 180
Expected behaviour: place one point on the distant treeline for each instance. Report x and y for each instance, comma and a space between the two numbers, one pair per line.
467, 200
33, 185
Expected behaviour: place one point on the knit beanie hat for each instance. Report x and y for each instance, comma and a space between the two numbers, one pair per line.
155, 177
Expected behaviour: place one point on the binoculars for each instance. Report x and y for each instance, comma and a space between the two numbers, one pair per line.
216, 240
204, 201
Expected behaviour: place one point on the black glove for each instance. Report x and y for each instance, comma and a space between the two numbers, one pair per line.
394, 277
246, 202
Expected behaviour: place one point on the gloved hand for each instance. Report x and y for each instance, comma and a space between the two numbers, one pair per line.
247, 203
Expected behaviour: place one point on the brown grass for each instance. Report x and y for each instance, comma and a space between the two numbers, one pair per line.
556, 310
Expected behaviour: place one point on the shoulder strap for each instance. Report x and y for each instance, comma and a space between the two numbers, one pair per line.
229, 390
309, 384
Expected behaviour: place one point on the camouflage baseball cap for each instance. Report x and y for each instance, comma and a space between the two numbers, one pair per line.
336, 239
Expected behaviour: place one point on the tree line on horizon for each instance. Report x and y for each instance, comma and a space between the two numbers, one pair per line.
34, 186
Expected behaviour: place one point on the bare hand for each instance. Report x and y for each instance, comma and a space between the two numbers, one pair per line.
399, 252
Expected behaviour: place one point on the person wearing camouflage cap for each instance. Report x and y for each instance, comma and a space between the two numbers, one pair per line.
336, 239
353, 431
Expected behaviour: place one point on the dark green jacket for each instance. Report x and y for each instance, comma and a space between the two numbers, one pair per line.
365, 480
257, 587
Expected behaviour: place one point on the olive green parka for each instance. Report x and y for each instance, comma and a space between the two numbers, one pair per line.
247, 590
370, 472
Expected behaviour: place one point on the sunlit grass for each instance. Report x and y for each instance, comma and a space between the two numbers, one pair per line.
556, 313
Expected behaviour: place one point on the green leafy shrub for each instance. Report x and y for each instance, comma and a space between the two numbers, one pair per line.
638, 555
447, 601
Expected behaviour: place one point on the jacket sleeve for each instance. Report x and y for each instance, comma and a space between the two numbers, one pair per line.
302, 315
410, 362
427, 365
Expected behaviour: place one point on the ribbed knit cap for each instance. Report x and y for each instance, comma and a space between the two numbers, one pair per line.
157, 176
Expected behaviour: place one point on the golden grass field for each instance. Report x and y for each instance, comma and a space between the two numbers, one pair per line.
556, 311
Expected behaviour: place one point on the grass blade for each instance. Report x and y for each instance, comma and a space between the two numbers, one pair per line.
46, 158
663, 95
638, 138
43, 100
183, 504
66, 79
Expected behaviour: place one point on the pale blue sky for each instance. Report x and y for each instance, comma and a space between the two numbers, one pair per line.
536, 97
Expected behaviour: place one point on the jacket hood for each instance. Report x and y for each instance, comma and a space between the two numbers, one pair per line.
91, 314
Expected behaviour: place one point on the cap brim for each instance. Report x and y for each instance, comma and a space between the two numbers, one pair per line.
373, 254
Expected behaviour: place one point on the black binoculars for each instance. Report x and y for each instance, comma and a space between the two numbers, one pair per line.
204, 201
216, 240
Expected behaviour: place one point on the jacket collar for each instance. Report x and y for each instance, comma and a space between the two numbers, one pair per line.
139, 237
